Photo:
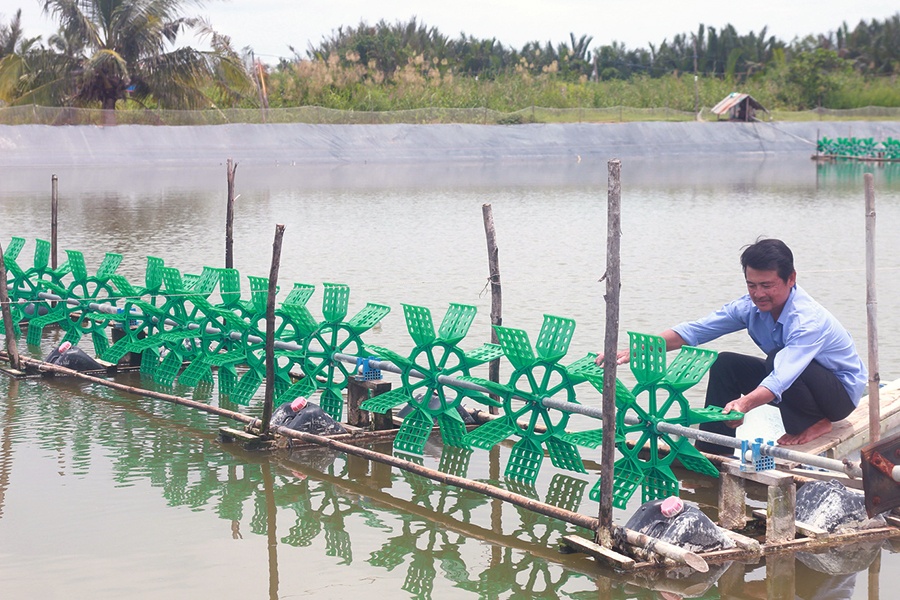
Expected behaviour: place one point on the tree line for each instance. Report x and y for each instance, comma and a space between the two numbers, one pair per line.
871, 48
120, 53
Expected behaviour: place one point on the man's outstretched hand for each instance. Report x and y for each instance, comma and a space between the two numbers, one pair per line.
622, 357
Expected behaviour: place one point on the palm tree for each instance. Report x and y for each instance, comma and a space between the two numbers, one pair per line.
11, 35
110, 50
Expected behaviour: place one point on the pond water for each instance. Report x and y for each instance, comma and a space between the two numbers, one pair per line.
108, 495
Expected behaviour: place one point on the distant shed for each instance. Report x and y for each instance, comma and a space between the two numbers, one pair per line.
739, 107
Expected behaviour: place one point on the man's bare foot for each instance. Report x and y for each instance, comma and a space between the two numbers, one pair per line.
815, 430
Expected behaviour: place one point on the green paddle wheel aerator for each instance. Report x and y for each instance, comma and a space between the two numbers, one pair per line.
183, 333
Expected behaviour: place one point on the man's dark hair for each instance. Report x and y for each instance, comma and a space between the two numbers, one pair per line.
769, 255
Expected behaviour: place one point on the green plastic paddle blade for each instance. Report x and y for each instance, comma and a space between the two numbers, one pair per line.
335, 301
195, 372
689, 367
332, 402
149, 361
587, 439
525, 461
388, 355
227, 378
516, 346
300, 294
692, 459
303, 388
484, 353
659, 482
564, 455
168, 369
453, 430
385, 402
555, 337
419, 324
369, 316
626, 479
414, 432
710, 414
648, 357
36, 328
246, 387
490, 434
100, 341
457, 321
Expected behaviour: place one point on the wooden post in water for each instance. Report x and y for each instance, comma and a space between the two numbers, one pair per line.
11, 348
871, 320
604, 534
54, 213
270, 330
229, 216
496, 294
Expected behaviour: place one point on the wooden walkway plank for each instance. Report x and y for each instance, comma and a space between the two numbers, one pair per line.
598, 552
852, 433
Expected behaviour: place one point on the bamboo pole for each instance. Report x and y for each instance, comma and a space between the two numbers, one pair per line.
270, 329
8, 325
54, 220
610, 347
229, 215
215, 410
654, 545
871, 315
496, 294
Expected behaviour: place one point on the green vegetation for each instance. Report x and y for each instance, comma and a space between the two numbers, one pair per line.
402, 66
112, 51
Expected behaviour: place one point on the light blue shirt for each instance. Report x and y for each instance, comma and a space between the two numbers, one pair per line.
804, 332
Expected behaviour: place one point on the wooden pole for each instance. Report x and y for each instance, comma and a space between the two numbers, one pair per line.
610, 348
651, 544
229, 216
496, 294
871, 318
270, 330
215, 410
54, 220
8, 325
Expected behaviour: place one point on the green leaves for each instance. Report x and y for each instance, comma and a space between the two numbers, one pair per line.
111, 50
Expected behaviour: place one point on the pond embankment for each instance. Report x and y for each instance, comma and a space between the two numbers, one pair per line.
37, 145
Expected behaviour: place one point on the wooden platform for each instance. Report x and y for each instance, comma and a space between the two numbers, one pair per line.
852, 433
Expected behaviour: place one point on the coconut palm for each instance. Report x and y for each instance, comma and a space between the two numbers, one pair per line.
110, 50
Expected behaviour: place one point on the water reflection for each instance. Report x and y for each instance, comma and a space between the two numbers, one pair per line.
848, 174
427, 537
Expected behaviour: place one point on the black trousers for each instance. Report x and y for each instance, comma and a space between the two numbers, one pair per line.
817, 394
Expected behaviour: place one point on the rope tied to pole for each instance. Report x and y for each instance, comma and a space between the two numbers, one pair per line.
489, 281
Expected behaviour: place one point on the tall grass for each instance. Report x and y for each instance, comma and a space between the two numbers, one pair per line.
347, 84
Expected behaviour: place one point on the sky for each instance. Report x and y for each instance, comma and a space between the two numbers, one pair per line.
269, 27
